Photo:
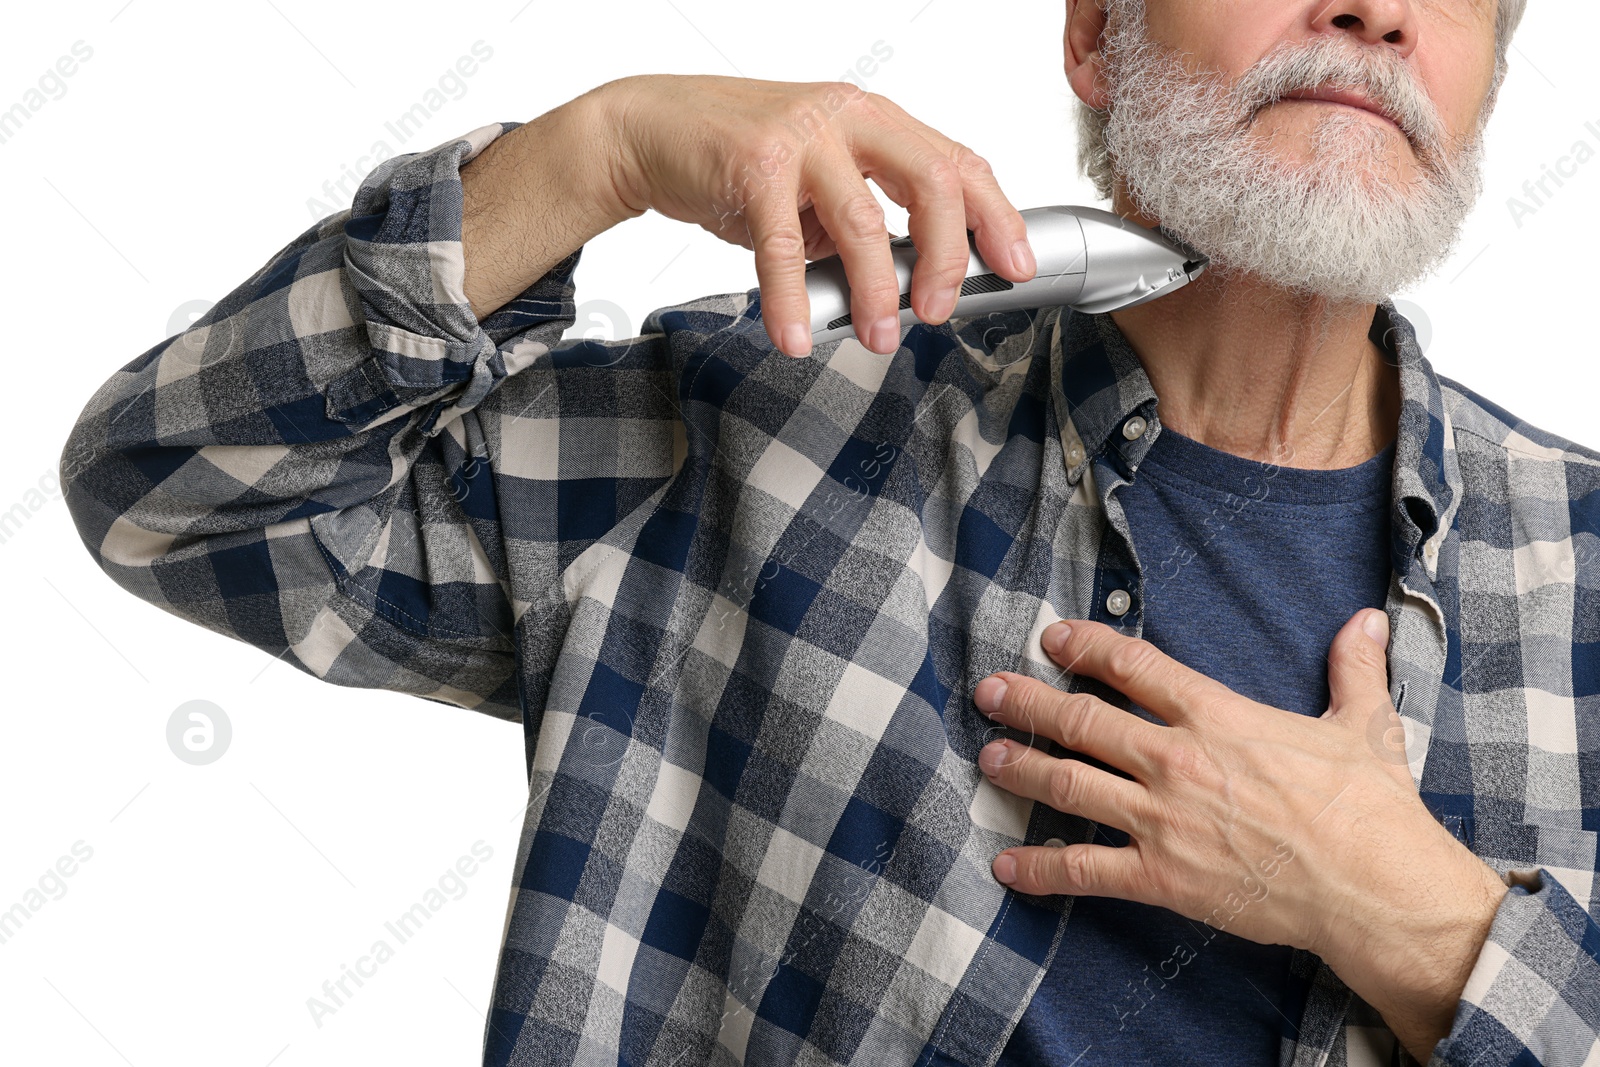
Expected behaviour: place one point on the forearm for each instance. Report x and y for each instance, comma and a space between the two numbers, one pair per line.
1421, 1009
536, 195
1413, 970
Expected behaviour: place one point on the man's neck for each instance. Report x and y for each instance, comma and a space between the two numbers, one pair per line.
1250, 369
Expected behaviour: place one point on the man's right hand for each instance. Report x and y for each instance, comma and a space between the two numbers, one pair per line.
781, 168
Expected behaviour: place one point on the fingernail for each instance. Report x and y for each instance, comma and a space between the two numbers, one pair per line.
886, 335
942, 304
1005, 868
989, 694
1022, 258
796, 341
1054, 638
1377, 627
992, 757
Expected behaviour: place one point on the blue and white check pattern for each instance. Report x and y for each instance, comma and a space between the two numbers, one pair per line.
740, 603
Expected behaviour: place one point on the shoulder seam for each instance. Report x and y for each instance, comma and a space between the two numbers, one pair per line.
1571, 451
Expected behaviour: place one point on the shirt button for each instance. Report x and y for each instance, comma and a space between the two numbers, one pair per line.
1056, 842
1134, 428
1074, 455
1118, 602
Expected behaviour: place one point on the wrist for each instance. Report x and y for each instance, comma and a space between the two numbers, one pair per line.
529, 200
1415, 972
611, 173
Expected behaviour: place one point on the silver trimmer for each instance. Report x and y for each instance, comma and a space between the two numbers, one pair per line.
1088, 259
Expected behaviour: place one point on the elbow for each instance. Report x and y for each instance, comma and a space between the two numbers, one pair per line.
116, 543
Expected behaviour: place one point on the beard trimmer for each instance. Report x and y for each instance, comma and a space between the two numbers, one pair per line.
1088, 259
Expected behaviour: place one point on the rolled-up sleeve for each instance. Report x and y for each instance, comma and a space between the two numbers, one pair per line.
1533, 996
299, 469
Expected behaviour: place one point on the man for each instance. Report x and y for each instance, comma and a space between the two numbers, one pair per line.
762, 618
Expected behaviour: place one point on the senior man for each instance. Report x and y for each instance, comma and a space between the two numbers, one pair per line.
970, 704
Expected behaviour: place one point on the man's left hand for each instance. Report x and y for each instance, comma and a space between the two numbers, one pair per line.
1281, 828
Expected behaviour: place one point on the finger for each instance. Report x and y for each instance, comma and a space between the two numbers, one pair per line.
818, 244
1068, 785
1080, 870
1358, 665
1358, 690
1080, 721
916, 175
1137, 669
848, 210
779, 242
996, 223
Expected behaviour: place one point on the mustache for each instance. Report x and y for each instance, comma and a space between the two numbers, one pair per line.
1332, 62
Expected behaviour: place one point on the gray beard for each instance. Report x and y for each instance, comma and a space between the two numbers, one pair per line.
1339, 226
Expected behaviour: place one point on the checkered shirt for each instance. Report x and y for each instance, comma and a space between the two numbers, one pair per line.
739, 604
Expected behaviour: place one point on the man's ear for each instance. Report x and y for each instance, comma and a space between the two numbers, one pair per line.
1086, 21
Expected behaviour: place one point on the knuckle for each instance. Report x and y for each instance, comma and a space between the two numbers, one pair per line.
1184, 763
1128, 659
862, 215
754, 163
1370, 655
807, 114
884, 106
1075, 709
1065, 786
969, 164
1073, 865
943, 174
785, 242
876, 292
849, 92
1067, 712
801, 110
763, 138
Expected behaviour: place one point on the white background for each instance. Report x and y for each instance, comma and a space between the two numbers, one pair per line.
219, 898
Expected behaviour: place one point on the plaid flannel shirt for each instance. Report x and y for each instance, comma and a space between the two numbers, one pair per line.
739, 604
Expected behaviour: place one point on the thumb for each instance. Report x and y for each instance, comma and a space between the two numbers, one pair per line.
1358, 663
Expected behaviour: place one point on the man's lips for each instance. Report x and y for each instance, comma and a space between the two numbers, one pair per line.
1348, 97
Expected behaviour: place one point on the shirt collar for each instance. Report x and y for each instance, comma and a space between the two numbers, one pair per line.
1427, 481
1100, 385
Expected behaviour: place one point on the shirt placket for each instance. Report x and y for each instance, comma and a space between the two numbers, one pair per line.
1118, 597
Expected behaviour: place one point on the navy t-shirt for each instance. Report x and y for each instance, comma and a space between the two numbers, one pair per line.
1249, 570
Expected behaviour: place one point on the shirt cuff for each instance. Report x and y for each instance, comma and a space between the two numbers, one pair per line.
403, 257
1534, 992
